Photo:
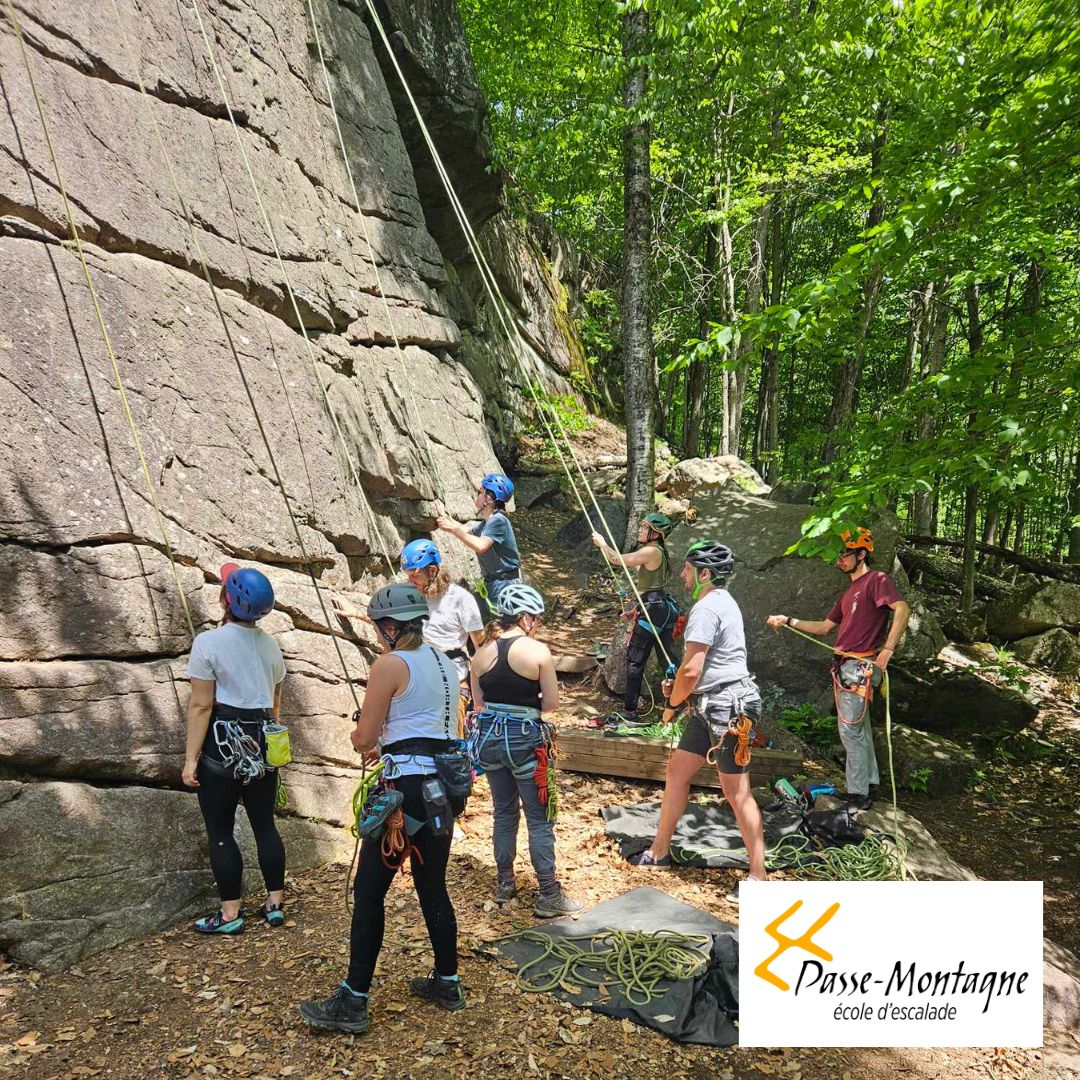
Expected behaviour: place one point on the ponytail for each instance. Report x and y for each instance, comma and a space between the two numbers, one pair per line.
496, 627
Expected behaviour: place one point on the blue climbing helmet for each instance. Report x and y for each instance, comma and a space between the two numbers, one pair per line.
499, 485
248, 592
418, 554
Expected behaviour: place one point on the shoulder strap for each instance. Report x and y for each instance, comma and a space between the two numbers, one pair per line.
447, 696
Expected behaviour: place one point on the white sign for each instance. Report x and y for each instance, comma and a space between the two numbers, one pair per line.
891, 963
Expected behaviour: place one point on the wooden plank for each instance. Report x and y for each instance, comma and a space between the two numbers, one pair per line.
586, 751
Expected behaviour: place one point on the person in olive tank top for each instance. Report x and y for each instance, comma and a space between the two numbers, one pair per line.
650, 559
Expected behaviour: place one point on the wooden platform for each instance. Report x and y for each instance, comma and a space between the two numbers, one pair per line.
582, 750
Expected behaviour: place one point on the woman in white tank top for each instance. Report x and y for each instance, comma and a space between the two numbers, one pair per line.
410, 713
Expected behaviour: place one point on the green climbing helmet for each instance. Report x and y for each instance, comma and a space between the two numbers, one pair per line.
659, 523
400, 602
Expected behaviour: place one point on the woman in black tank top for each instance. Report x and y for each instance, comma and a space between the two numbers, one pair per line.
502, 684
511, 743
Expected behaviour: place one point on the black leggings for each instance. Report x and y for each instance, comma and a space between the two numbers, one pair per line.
373, 879
219, 795
640, 647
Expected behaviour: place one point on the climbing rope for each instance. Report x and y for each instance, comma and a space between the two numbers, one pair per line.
419, 425
214, 295
874, 859
510, 328
77, 243
901, 845
634, 962
269, 226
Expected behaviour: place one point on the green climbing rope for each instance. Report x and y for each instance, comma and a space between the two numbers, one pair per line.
634, 962
874, 859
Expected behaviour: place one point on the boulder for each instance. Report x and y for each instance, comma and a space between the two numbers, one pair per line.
1040, 606
532, 491
694, 476
793, 491
934, 696
96, 866
768, 581
925, 762
1056, 650
576, 533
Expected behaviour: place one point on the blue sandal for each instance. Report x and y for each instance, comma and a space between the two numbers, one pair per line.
218, 924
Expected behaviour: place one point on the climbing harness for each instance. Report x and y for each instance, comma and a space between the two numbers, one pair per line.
240, 753
898, 839
853, 687
634, 962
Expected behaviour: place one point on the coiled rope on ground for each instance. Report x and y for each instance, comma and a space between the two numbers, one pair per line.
634, 962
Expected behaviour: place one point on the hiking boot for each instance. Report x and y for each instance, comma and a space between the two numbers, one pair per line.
647, 858
273, 914
218, 924
550, 905
342, 1011
505, 891
447, 993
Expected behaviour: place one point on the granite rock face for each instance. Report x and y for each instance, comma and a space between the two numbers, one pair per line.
365, 440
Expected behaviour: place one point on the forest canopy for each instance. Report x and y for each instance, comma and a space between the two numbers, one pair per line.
864, 264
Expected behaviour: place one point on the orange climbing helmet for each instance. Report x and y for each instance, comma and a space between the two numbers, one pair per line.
862, 539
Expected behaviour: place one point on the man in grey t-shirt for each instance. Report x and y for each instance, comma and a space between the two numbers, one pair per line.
714, 679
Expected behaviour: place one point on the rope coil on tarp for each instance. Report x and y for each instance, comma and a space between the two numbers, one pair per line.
633, 962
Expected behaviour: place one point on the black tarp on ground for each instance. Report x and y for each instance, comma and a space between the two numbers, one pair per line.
707, 835
699, 1010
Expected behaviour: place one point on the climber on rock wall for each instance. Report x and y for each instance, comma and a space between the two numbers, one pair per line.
492, 538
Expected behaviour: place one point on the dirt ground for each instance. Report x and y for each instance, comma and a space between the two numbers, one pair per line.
182, 1006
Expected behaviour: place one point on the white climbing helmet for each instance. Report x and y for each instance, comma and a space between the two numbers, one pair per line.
517, 598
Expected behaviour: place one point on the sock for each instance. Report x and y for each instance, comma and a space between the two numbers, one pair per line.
449, 978
352, 991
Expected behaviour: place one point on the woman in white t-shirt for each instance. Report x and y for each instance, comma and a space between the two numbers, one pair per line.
236, 673
453, 614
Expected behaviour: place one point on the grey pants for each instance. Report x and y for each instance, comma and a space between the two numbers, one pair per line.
508, 758
860, 766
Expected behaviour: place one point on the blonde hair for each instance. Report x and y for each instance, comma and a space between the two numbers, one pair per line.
438, 585
496, 628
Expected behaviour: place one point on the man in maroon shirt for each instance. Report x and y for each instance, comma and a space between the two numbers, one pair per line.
862, 613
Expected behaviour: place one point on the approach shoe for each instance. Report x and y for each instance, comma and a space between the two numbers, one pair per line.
272, 914
218, 924
551, 905
505, 891
647, 858
448, 993
342, 1011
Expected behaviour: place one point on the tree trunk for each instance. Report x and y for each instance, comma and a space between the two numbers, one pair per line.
971, 492
767, 437
1073, 524
931, 364
951, 570
639, 377
846, 386
695, 377
755, 278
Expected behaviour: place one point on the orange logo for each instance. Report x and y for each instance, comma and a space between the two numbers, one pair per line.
783, 943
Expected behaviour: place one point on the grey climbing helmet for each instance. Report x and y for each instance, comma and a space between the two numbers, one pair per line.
400, 602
